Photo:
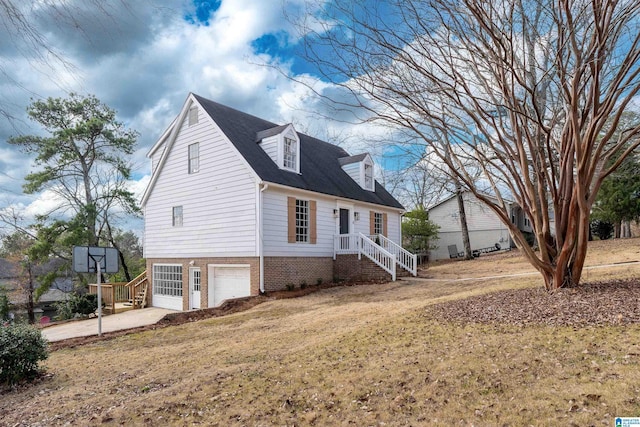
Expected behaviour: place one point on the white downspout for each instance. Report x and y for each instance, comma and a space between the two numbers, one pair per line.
260, 228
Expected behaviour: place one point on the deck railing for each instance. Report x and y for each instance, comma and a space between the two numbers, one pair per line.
112, 293
135, 287
406, 259
121, 292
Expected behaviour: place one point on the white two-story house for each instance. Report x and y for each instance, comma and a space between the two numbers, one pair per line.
237, 205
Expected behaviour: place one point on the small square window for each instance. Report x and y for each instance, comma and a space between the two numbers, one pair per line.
193, 116
177, 216
302, 220
194, 158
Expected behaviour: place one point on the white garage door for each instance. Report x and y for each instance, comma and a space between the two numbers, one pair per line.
228, 282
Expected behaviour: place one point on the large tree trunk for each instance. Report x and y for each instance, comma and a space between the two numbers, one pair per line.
565, 269
463, 223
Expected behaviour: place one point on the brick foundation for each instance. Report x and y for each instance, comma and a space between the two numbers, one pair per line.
253, 262
349, 268
279, 272
282, 271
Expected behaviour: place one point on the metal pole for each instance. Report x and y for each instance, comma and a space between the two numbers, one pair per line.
99, 300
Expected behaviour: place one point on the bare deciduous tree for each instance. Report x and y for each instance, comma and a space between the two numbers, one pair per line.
518, 91
20, 29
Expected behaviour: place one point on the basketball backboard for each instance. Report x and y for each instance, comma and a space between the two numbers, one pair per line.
85, 259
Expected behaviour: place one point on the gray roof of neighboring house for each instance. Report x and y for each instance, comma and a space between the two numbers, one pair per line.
320, 168
10, 272
7, 269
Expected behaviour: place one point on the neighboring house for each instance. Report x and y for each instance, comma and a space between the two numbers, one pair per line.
237, 205
485, 228
13, 277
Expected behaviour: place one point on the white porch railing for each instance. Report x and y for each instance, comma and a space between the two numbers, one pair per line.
406, 259
363, 245
344, 244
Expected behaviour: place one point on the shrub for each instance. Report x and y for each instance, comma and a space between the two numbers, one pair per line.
21, 348
77, 304
603, 229
319, 281
290, 286
303, 285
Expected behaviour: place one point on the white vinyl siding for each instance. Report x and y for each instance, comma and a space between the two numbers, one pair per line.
220, 199
479, 216
353, 170
275, 223
485, 228
270, 146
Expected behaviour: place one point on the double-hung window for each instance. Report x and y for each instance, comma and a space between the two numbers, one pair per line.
378, 221
177, 216
368, 176
194, 157
290, 154
302, 220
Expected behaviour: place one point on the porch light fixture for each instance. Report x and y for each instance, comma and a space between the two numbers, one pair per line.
335, 213
356, 216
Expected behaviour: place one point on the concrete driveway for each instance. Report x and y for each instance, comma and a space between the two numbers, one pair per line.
115, 322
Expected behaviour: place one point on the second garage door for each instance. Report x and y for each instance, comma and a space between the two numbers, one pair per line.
228, 282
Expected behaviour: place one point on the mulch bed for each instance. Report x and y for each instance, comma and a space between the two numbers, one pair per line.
614, 302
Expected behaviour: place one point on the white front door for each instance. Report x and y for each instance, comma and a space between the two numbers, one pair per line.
194, 287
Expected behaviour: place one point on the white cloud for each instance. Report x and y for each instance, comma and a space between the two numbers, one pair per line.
152, 58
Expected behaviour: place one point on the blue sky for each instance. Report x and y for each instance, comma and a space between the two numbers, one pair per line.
142, 59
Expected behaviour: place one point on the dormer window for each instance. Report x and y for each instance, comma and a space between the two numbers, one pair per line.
282, 144
290, 153
360, 169
368, 176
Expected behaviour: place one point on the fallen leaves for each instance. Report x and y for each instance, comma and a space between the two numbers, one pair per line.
614, 302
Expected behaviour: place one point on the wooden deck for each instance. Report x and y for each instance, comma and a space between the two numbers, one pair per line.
121, 307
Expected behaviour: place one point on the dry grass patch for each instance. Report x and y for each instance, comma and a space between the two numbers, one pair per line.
512, 262
360, 355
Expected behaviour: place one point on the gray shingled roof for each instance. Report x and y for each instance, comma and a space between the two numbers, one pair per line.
320, 169
352, 159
